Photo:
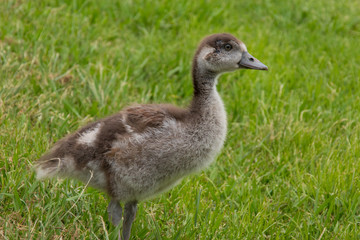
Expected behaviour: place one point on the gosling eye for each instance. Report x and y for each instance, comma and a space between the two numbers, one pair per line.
227, 47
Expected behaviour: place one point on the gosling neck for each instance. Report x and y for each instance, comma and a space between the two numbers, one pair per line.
204, 81
205, 95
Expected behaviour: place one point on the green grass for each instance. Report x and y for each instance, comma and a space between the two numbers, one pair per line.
290, 168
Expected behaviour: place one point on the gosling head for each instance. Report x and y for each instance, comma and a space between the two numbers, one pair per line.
220, 53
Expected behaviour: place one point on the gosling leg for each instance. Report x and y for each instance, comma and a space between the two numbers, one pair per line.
129, 216
115, 212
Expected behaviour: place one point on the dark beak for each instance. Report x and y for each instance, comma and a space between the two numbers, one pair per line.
249, 62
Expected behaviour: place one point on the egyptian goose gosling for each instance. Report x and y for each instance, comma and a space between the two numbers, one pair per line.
146, 149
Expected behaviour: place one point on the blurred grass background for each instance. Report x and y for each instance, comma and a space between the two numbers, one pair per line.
290, 166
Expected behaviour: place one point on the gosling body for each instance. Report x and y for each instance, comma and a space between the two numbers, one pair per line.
146, 149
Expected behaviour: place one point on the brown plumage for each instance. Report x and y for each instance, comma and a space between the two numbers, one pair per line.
145, 149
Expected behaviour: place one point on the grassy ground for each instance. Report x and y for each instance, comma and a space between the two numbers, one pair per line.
290, 166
